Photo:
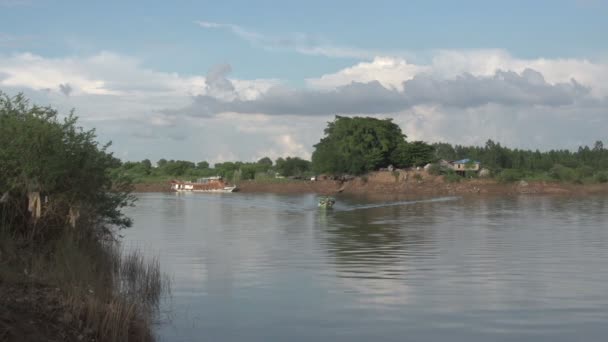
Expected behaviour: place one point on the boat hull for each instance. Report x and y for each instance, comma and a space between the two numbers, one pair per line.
222, 190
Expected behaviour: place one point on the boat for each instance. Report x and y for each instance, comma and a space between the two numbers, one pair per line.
206, 184
326, 202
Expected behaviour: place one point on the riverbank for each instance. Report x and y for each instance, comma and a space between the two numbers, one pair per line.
406, 183
76, 289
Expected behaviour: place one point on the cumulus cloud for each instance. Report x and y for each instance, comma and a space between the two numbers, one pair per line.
462, 97
527, 88
391, 72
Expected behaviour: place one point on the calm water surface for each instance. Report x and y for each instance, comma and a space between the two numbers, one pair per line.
274, 268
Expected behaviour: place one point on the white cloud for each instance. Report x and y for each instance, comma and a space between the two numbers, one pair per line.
391, 72
452, 63
449, 64
461, 97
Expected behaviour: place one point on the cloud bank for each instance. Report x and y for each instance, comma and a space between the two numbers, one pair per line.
462, 97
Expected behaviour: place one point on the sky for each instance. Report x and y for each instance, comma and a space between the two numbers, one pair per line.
241, 80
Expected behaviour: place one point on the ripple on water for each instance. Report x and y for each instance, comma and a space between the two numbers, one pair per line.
273, 267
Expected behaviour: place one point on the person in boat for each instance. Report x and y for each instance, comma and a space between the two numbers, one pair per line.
326, 202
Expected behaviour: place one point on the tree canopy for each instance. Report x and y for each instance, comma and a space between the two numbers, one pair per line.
39, 152
361, 144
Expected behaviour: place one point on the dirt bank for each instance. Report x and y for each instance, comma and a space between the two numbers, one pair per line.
407, 183
35, 312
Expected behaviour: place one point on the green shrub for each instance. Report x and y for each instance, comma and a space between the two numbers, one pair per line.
396, 175
470, 174
601, 177
452, 177
585, 171
510, 175
563, 173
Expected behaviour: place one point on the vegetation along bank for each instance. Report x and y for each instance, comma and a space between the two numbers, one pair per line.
358, 152
63, 275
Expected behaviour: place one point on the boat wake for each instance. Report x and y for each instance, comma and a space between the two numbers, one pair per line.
399, 203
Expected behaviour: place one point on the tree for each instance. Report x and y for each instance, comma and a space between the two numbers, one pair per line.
357, 145
147, 166
265, 161
417, 153
292, 166
203, 165
39, 153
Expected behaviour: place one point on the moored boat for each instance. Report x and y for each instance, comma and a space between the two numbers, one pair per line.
207, 184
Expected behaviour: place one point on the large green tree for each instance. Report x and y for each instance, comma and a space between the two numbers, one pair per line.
357, 145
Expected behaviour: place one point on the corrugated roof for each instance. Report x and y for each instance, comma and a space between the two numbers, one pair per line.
464, 161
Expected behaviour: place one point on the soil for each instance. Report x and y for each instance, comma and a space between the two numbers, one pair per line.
406, 183
34, 312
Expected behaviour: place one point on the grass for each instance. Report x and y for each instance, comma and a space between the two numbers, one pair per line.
110, 295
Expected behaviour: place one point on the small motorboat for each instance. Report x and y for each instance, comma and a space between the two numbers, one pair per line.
326, 202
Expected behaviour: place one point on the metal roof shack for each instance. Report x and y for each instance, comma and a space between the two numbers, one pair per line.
465, 165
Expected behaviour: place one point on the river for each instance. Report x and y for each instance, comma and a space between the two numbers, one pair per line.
264, 267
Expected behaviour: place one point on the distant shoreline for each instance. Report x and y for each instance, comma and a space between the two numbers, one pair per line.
405, 183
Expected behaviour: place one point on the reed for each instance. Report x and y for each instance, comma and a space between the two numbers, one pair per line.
107, 293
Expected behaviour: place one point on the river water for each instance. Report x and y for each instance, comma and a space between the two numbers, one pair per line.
264, 267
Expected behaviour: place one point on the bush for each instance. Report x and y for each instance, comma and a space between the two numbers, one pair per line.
452, 177
601, 177
563, 173
396, 174
584, 171
510, 175
470, 174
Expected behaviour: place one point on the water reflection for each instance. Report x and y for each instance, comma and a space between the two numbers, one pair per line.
269, 267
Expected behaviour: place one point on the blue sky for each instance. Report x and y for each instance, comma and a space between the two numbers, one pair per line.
164, 36
151, 60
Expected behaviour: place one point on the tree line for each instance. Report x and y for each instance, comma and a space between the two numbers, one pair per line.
586, 164
265, 168
358, 145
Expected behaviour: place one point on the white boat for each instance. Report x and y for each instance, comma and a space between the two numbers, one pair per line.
207, 184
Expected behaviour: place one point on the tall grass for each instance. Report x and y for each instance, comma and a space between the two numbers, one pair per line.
110, 294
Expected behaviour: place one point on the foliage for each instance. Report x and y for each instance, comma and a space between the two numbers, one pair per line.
396, 174
562, 173
416, 153
452, 177
510, 175
292, 166
41, 153
142, 172
585, 164
602, 177
358, 145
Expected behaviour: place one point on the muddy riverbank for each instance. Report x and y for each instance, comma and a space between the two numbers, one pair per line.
410, 183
